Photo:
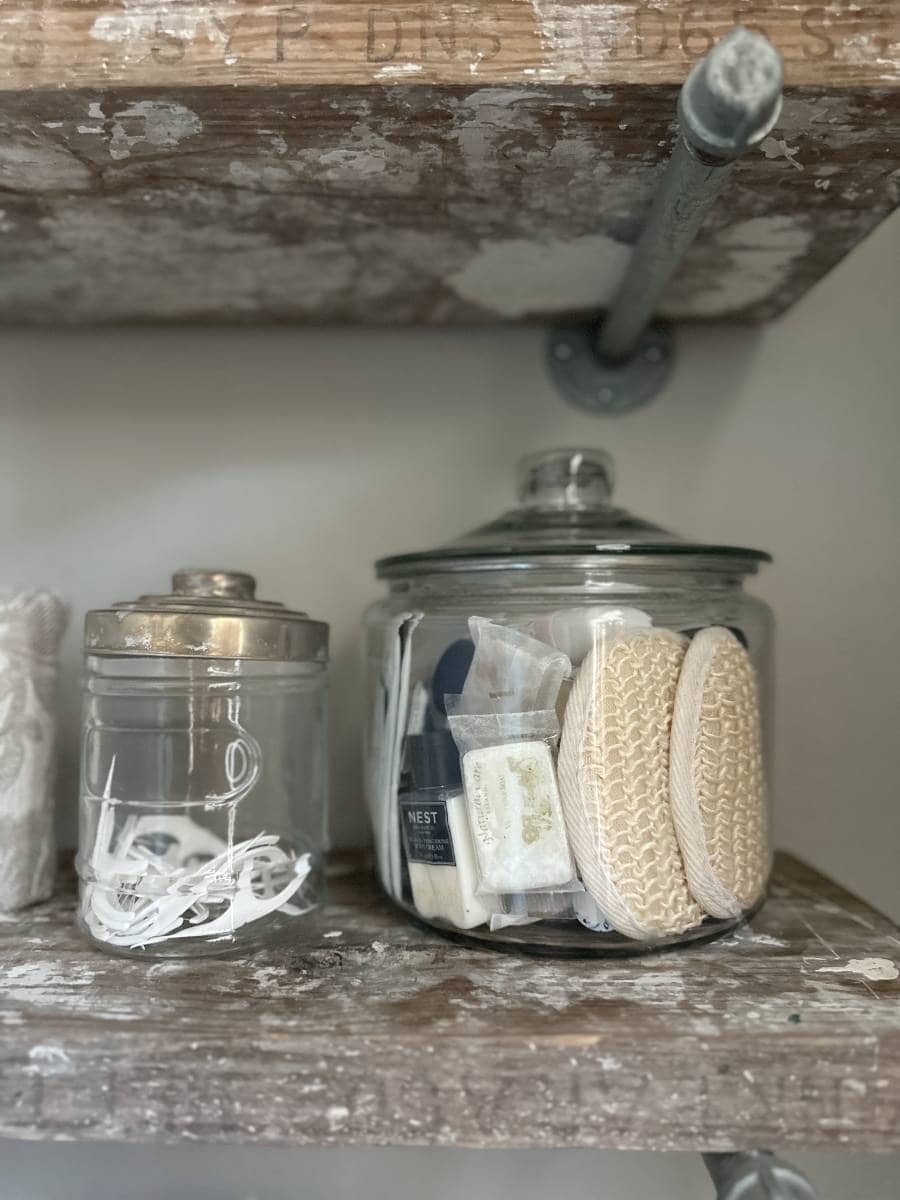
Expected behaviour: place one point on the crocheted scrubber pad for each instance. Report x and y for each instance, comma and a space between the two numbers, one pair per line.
718, 786
613, 772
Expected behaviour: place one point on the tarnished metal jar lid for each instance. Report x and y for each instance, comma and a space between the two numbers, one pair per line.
566, 516
208, 614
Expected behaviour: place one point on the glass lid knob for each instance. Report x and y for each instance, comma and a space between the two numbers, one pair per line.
574, 479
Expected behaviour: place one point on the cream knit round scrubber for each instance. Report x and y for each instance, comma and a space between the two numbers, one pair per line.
718, 787
613, 774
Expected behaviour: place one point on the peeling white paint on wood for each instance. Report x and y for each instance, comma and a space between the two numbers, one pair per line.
336, 1115
873, 969
871, 48
577, 34
402, 203
773, 147
48, 1059
140, 24
518, 277
755, 259
398, 70
149, 123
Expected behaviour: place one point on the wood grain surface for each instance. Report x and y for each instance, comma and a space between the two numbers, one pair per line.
368, 1030
160, 43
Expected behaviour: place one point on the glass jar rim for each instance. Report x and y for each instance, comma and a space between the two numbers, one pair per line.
687, 556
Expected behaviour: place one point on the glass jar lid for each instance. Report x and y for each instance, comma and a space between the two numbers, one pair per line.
208, 614
565, 512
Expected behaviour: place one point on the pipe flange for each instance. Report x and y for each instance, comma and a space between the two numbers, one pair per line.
756, 1175
606, 387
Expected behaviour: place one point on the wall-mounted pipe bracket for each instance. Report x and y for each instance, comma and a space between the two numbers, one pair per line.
756, 1175
603, 386
728, 104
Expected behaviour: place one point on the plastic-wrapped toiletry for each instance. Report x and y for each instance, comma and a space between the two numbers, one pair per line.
512, 796
516, 818
527, 908
437, 839
574, 630
510, 671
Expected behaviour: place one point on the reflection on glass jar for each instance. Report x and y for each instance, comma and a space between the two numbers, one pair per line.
202, 811
567, 744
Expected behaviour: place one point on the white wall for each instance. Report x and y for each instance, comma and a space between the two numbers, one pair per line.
84, 1172
303, 456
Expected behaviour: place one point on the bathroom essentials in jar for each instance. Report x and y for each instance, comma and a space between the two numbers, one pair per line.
603, 683
31, 628
203, 769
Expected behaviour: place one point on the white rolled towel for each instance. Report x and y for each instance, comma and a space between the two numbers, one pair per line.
31, 628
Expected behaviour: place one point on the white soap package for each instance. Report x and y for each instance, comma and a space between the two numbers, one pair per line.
516, 818
506, 728
512, 798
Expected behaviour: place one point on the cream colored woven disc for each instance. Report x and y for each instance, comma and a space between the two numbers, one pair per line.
718, 786
614, 781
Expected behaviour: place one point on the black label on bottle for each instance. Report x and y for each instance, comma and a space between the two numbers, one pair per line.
426, 830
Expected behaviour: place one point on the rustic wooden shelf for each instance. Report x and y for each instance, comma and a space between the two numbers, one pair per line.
368, 1030
425, 161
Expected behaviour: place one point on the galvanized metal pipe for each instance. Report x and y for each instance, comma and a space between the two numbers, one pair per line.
729, 102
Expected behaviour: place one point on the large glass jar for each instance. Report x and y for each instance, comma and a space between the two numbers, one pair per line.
203, 770
567, 748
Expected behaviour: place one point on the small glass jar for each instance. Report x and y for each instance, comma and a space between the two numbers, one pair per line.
568, 744
203, 770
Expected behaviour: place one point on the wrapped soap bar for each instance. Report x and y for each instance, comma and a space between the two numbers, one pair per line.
516, 818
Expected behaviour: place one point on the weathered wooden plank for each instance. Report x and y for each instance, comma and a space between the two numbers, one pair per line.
406, 204
150, 43
416, 162
367, 1030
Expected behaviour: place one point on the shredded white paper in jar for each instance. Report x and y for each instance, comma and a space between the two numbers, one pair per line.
162, 877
